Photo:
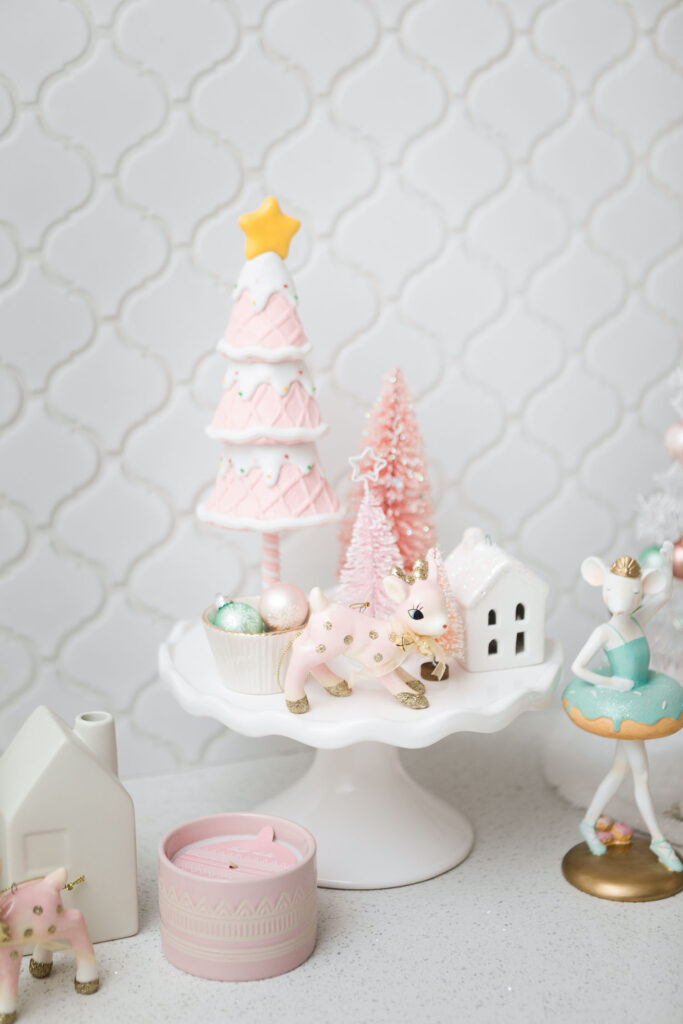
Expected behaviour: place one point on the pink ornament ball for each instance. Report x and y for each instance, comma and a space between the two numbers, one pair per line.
283, 606
673, 441
678, 559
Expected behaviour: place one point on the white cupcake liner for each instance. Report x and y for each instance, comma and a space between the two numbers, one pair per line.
248, 662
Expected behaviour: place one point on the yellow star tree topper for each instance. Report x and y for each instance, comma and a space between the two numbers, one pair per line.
268, 229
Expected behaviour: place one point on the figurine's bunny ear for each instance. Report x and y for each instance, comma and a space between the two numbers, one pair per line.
395, 589
654, 581
594, 571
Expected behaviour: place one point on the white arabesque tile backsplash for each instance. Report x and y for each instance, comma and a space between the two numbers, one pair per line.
490, 196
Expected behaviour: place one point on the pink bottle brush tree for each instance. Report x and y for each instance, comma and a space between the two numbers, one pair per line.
270, 478
372, 551
402, 485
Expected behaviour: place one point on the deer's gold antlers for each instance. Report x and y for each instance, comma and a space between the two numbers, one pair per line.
420, 572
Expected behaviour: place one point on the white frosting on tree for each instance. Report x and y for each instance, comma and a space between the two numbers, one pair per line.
280, 376
270, 459
262, 277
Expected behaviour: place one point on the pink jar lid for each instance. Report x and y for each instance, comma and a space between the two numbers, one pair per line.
253, 922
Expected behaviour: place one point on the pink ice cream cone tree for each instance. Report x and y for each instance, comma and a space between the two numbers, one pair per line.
402, 485
270, 478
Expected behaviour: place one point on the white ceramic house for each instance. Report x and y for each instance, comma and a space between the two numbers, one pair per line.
62, 804
502, 604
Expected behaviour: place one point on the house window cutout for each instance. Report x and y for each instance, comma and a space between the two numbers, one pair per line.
519, 644
492, 617
519, 612
493, 645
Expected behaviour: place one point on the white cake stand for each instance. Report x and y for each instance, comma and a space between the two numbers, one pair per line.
374, 825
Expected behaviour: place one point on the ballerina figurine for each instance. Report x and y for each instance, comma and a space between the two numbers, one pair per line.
626, 700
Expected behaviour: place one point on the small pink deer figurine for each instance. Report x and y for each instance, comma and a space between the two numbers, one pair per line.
379, 646
32, 913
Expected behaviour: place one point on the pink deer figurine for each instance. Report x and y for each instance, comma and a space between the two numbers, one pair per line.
32, 913
379, 646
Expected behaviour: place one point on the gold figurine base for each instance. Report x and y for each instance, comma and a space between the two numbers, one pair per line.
630, 873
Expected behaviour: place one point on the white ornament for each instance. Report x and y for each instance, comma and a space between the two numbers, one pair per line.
283, 606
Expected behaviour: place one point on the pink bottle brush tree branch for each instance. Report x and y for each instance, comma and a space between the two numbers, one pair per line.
402, 485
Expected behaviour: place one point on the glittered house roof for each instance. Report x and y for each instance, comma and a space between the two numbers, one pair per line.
476, 564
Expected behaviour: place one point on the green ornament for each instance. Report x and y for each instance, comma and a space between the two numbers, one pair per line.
238, 617
650, 557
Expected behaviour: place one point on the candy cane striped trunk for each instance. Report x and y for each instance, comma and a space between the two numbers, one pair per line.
270, 560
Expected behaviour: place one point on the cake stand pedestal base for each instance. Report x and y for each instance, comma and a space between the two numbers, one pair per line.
376, 827
630, 873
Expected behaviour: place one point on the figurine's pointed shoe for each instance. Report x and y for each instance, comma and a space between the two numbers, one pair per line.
665, 853
412, 700
415, 685
298, 707
340, 689
594, 845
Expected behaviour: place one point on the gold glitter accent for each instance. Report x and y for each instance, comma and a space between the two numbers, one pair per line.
86, 988
52, 929
4, 932
14, 954
298, 707
28, 933
40, 970
348, 639
340, 689
72, 885
412, 700
8, 1018
420, 572
60, 908
415, 685
37, 910
394, 637
320, 649
373, 634
327, 624
377, 657
626, 566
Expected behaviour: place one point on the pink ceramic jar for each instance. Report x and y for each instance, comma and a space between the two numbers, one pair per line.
238, 928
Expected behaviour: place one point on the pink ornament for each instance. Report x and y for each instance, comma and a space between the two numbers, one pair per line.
673, 441
238, 924
31, 913
678, 559
402, 487
283, 606
380, 646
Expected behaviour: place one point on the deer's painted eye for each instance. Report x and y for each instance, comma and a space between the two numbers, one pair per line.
415, 613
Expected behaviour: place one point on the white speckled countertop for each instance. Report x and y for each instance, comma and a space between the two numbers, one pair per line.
502, 937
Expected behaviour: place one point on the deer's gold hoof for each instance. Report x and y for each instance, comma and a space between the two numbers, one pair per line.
412, 700
298, 707
415, 685
39, 970
8, 1018
340, 689
86, 988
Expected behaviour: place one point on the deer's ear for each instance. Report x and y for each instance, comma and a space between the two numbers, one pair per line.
395, 589
594, 571
654, 581
433, 575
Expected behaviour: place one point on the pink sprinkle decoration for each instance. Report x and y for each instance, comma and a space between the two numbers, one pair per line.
284, 286
301, 371
286, 456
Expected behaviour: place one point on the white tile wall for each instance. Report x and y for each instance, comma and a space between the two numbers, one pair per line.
490, 195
